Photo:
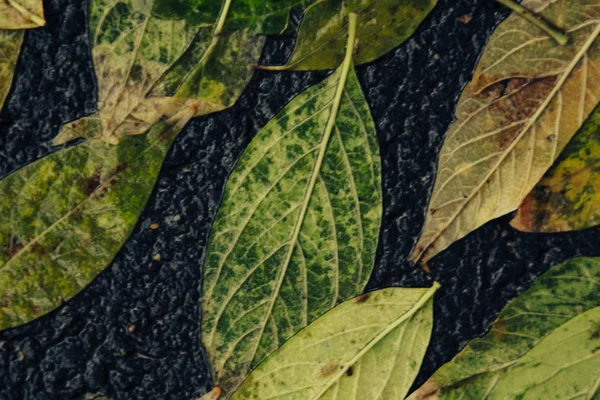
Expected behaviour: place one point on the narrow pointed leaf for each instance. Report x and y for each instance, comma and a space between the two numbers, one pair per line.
10, 47
361, 350
298, 227
528, 97
63, 218
543, 345
21, 14
382, 26
568, 197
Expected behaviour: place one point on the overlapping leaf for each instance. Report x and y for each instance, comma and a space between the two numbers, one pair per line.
543, 345
64, 217
154, 57
364, 349
298, 227
382, 25
10, 47
528, 97
568, 197
21, 14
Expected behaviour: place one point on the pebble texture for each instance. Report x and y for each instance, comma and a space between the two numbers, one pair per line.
134, 333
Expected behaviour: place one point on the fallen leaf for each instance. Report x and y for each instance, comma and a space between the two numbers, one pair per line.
63, 218
10, 47
381, 340
297, 229
382, 26
527, 99
568, 197
21, 14
543, 345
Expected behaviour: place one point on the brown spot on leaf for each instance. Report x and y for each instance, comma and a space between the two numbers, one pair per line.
326, 370
349, 371
93, 182
361, 299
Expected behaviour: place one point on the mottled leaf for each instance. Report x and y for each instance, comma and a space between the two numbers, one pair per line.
298, 227
382, 25
364, 349
10, 47
544, 344
21, 14
63, 218
568, 197
528, 97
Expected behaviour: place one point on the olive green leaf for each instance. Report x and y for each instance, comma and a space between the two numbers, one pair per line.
21, 14
364, 349
63, 218
10, 47
544, 344
382, 25
568, 197
527, 99
298, 227
155, 57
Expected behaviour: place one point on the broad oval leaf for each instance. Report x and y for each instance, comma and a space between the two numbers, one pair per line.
298, 227
382, 26
21, 14
528, 97
369, 348
63, 218
568, 197
10, 47
543, 345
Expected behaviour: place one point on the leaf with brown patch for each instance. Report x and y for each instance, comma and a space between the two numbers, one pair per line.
527, 99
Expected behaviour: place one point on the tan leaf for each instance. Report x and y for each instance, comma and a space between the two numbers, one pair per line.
528, 97
21, 14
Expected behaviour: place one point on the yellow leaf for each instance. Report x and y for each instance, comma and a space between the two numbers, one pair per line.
21, 14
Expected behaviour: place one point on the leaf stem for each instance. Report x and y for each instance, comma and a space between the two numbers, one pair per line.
556, 33
222, 17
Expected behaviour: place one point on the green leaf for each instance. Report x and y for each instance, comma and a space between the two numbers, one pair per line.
63, 218
364, 349
568, 197
382, 26
153, 58
527, 99
543, 345
298, 227
21, 14
10, 47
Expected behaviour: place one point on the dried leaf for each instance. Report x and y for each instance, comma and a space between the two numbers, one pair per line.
10, 47
21, 14
63, 218
543, 345
568, 197
382, 25
298, 227
381, 340
155, 57
528, 97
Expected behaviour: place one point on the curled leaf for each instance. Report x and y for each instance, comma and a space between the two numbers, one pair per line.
21, 14
543, 345
568, 197
10, 47
527, 99
298, 227
370, 350
63, 218
382, 25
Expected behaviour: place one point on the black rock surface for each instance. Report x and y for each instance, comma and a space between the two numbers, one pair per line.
85, 349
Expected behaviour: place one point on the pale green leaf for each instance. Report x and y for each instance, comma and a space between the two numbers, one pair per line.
364, 349
382, 26
63, 218
10, 47
298, 227
544, 344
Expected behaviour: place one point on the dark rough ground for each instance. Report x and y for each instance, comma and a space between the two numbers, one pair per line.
85, 348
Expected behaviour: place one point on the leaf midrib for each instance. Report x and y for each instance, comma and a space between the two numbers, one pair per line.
541, 109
